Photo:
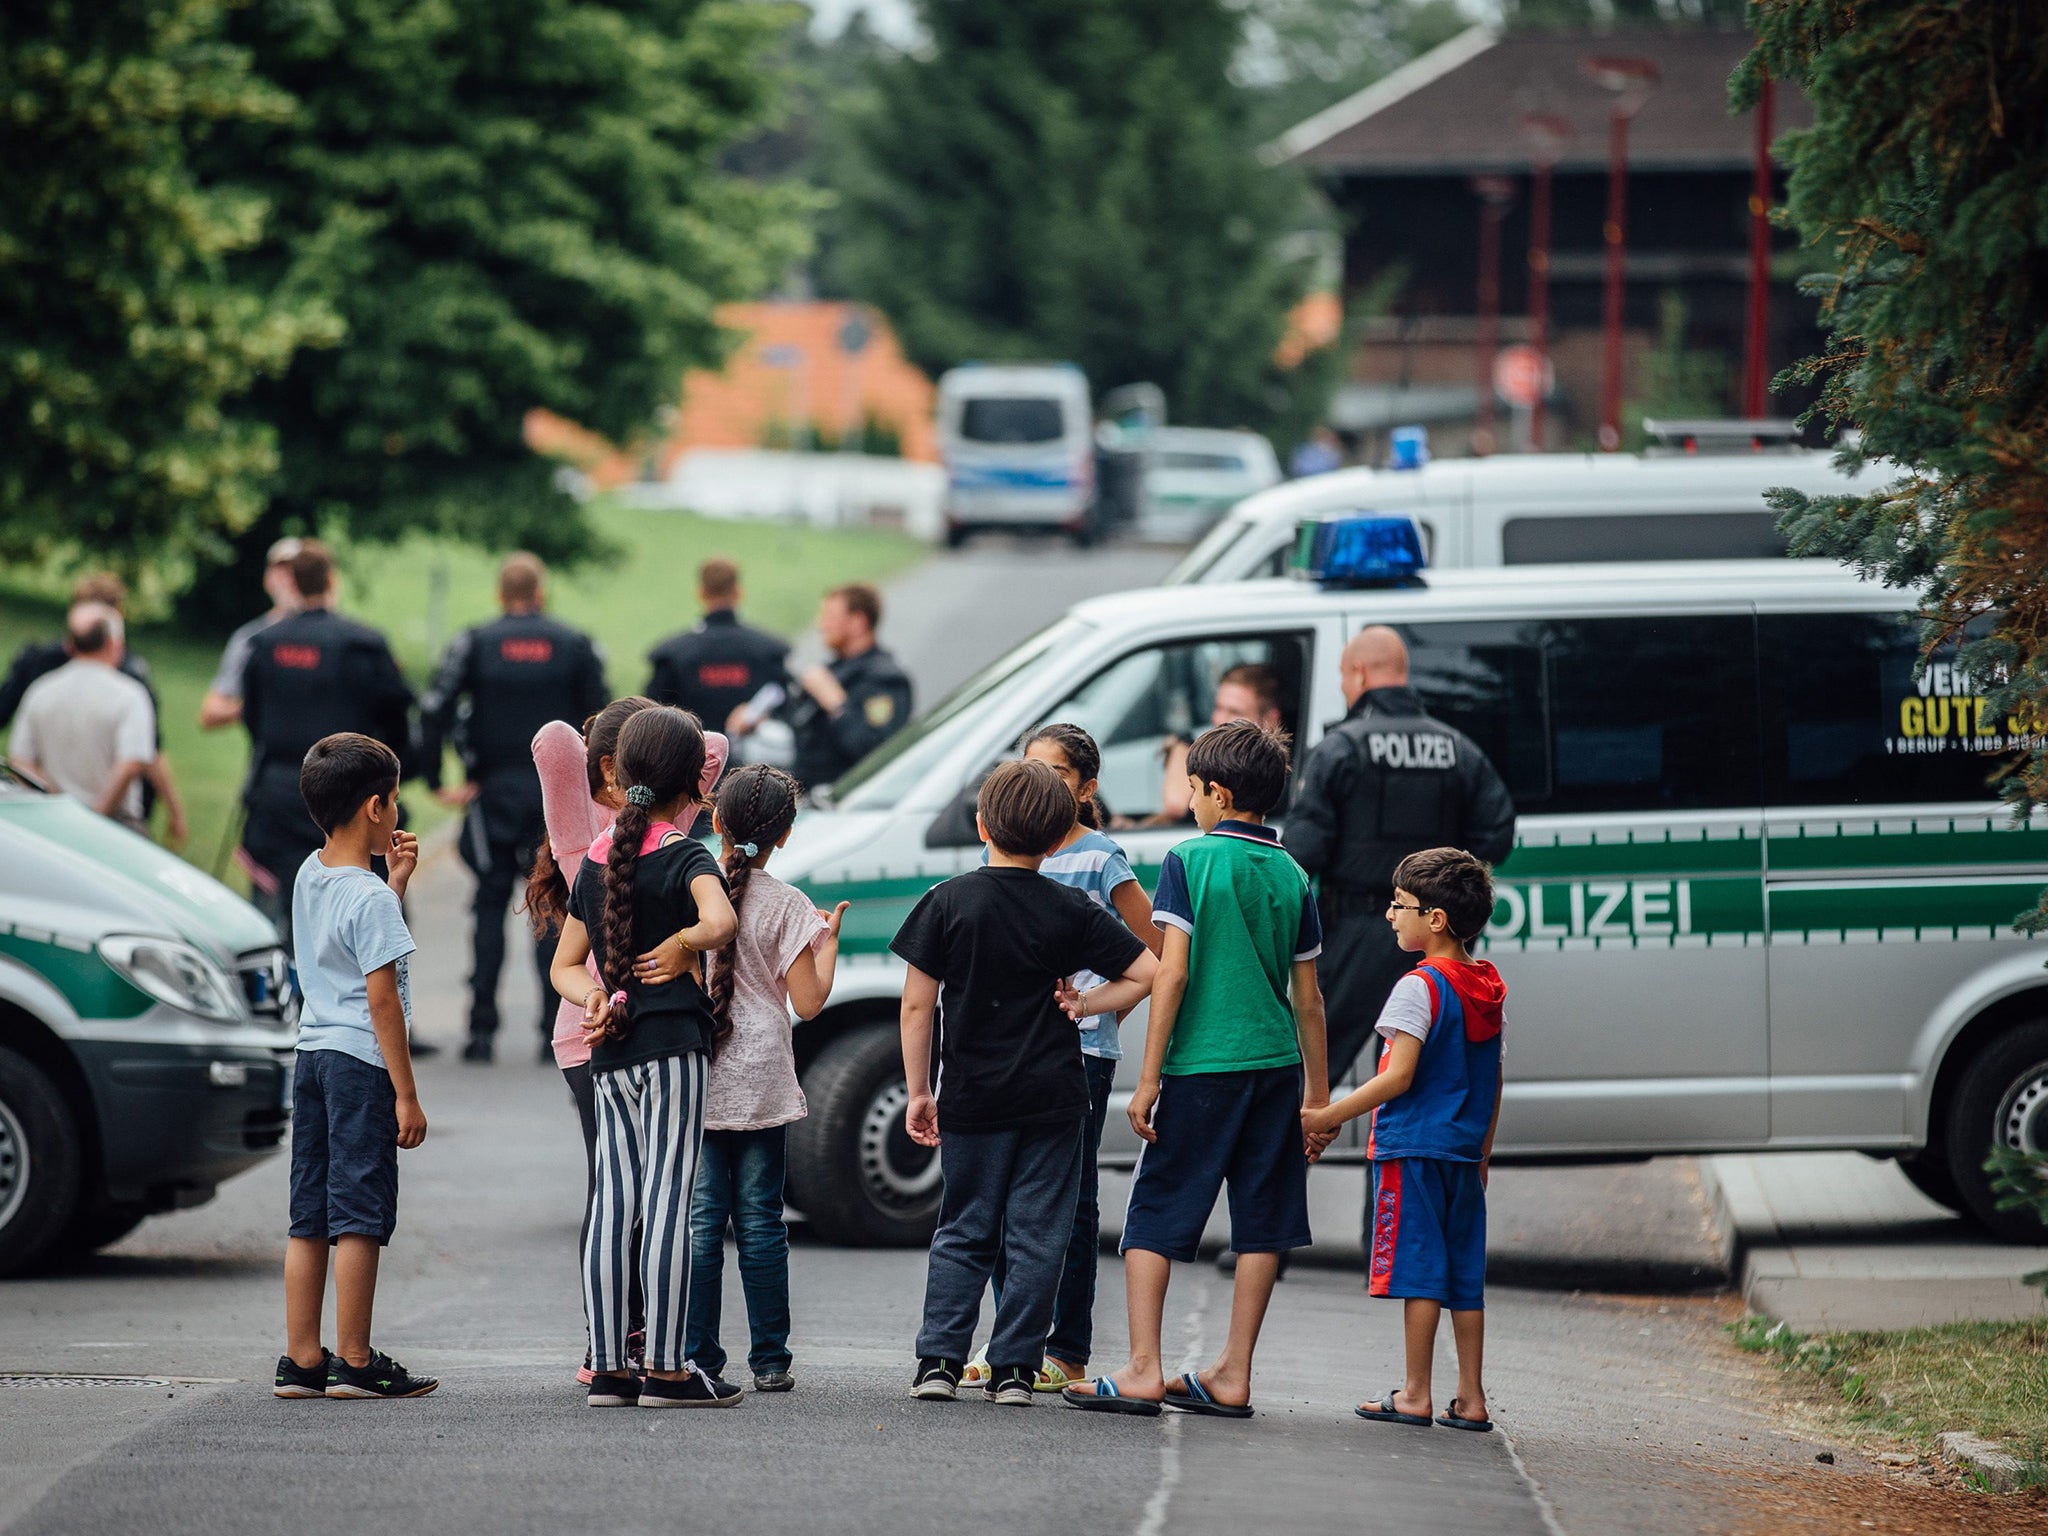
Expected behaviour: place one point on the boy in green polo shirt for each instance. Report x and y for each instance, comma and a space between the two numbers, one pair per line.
1230, 1064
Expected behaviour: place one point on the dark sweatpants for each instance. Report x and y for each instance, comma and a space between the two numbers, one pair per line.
1358, 967
1014, 1190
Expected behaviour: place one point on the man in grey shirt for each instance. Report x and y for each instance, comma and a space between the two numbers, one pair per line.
90, 730
223, 702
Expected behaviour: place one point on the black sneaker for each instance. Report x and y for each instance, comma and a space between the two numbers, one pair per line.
420, 1050
774, 1381
1010, 1386
613, 1390
697, 1389
382, 1377
937, 1379
295, 1380
478, 1051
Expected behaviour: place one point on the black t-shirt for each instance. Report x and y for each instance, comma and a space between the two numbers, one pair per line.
997, 939
675, 1016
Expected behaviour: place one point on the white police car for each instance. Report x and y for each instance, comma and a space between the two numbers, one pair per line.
1760, 896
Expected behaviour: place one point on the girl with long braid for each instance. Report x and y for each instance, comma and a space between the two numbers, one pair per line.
649, 1043
780, 961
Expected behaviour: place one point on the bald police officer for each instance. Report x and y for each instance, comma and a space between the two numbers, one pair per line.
497, 684
308, 675
1385, 782
717, 667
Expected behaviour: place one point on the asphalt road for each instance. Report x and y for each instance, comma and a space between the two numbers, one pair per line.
1631, 1413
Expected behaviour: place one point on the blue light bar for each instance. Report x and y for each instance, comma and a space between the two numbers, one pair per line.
1365, 549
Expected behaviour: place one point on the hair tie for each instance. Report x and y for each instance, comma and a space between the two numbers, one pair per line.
746, 850
618, 1002
641, 796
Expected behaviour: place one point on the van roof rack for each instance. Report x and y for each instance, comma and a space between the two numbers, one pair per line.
1715, 434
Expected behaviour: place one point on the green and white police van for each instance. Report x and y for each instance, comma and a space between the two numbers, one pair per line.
147, 1020
1760, 895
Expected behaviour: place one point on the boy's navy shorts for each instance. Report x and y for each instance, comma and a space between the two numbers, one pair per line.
344, 1148
1429, 1232
1240, 1128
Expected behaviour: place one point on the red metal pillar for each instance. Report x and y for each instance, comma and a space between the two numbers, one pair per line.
1615, 233
1757, 328
1494, 193
1539, 291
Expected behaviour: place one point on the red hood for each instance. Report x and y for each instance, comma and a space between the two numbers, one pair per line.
1479, 989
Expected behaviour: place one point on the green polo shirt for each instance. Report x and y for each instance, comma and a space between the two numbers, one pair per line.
1249, 915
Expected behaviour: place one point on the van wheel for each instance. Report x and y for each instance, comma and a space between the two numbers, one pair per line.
956, 535
862, 1179
2002, 1100
1927, 1172
39, 1164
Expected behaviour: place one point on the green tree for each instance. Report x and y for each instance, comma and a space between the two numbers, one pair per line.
1606, 13
127, 347
1300, 56
514, 204
1924, 179
1079, 179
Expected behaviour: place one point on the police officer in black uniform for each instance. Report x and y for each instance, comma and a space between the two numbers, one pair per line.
847, 708
1385, 782
308, 676
720, 665
498, 684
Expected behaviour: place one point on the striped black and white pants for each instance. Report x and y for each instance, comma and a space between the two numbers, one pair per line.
650, 1124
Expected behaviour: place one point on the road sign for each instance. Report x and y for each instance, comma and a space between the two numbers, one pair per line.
1522, 376
854, 333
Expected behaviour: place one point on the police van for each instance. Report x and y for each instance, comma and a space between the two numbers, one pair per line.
147, 1023
1760, 895
1018, 444
1542, 508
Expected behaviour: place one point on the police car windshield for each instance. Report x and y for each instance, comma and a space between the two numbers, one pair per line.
882, 778
1198, 562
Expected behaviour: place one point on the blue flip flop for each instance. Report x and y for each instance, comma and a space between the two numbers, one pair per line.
1389, 1414
1197, 1399
1101, 1396
1450, 1418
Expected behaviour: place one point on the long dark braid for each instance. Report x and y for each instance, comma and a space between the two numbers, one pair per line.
1083, 756
756, 806
547, 892
660, 758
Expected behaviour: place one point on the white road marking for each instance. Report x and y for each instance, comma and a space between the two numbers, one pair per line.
1153, 1521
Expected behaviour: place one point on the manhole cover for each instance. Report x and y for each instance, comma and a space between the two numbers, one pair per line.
55, 1379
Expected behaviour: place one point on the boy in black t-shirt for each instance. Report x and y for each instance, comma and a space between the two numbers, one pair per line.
989, 950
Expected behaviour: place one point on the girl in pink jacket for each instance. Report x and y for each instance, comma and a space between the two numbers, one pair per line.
579, 798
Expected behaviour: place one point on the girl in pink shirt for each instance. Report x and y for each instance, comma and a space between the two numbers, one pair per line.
580, 798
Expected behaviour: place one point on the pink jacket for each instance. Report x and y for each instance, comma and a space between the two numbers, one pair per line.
574, 822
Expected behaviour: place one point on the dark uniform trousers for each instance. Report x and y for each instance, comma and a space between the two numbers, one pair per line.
877, 706
1386, 782
309, 675
498, 684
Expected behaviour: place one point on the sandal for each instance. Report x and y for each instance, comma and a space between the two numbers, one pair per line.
1450, 1418
1196, 1398
1101, 1396
1384, 1412
1052, 1377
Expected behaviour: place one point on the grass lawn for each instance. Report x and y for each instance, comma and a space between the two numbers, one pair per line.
421, 591
1990, 1379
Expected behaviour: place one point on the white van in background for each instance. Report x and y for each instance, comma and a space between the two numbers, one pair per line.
1540, 509
1197, 474
1018, 444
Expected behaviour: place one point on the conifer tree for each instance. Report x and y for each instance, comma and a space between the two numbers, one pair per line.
1923, 182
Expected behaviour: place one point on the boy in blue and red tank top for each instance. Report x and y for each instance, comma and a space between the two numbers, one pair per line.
1435, 1104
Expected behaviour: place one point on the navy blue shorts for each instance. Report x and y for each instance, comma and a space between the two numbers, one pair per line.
344, 1148
1239, 1128
1429, 1232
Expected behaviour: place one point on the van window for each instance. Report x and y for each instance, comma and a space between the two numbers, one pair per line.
1846, 722
1012, 419
1601, 715
1538, 540
1186, 458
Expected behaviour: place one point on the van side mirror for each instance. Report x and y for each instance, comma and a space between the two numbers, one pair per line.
954, 826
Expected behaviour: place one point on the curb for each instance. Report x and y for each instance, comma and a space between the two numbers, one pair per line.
2000, 1470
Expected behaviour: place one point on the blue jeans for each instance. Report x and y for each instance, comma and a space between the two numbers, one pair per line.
739, 1181
1073, 1311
